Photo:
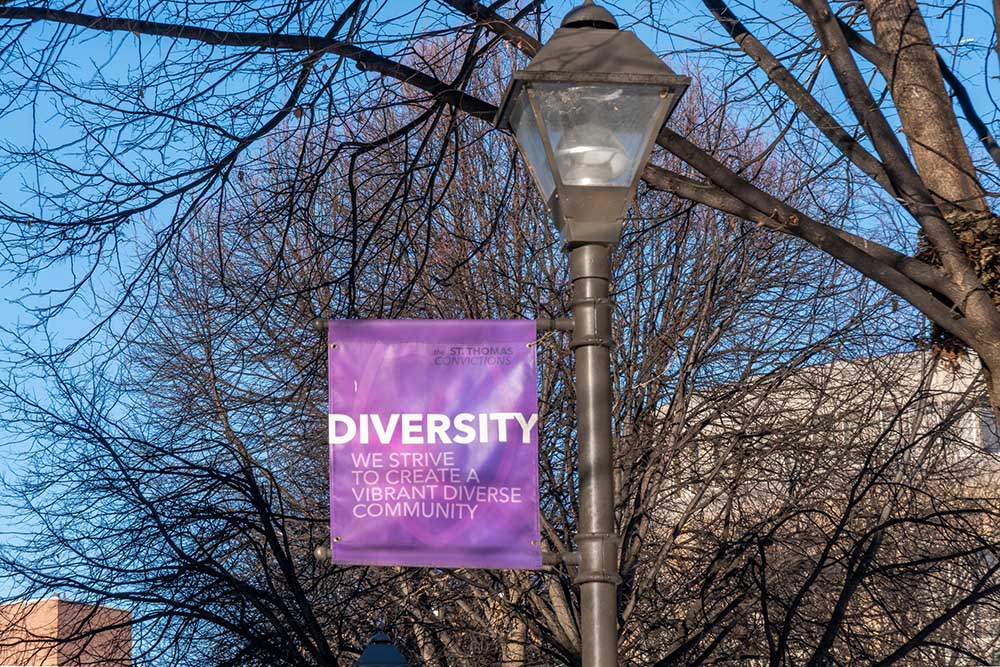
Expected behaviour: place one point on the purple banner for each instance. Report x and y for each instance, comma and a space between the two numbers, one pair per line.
434, 443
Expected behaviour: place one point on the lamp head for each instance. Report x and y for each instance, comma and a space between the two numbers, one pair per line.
585, 113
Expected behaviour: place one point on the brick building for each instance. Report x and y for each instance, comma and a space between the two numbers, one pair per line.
53, 632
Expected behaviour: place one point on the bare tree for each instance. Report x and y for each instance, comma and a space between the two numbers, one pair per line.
189, 93
187, 482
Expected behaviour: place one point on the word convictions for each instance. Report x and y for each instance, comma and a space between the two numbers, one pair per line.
433, 428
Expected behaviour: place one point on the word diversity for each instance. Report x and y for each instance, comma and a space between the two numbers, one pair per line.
432, 428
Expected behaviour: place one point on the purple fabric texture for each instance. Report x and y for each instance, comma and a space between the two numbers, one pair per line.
433, 433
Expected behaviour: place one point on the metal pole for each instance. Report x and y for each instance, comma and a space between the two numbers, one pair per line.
596, 541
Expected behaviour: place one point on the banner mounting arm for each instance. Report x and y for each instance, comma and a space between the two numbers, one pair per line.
542, 324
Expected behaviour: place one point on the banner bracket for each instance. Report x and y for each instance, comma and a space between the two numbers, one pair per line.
554, 324
556, 557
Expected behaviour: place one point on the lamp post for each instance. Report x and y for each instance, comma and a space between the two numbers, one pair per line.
585, 113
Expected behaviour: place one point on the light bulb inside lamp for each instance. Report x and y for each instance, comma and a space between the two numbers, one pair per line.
591, 155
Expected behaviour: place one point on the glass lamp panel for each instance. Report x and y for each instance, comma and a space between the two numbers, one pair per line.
529, 140
598, 132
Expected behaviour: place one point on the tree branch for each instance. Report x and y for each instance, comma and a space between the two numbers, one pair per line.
497, 24
915, 196
798, 94
367, 60
928, 276
877, 57
820, 235
971, 115
978, 593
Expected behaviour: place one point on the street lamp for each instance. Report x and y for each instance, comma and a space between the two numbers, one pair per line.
585, 113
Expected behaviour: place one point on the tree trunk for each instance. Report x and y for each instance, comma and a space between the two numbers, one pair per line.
992, 378
513, 649
941, 156
924, 107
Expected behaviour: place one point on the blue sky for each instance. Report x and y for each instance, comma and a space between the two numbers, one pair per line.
112, 55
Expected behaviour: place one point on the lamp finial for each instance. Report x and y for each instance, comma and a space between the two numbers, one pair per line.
590, 15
